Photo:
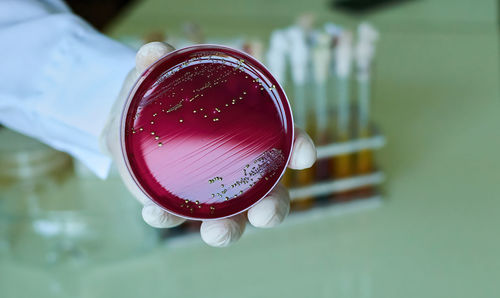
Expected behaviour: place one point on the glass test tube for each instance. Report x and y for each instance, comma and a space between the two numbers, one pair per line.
341, 164
364, 161
303, 177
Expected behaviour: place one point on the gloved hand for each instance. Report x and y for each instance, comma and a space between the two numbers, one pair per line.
269, 212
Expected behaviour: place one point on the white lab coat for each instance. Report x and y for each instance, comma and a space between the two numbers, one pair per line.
58, 77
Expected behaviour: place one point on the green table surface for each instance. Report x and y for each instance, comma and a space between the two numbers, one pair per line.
437, 100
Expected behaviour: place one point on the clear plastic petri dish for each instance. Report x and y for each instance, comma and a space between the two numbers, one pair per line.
206, 132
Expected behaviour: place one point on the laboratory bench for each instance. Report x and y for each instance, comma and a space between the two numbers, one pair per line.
434, 234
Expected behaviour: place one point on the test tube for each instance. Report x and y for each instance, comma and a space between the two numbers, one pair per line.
341, 164
321, 56
299, 62
277, 62
365, 50
321, 62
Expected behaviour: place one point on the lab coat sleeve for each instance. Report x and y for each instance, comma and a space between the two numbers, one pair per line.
59, 78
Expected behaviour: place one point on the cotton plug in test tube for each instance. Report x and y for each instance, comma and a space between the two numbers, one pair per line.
276, 55
365, 50
343, 57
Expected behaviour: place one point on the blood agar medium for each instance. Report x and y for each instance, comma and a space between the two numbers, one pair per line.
206, 132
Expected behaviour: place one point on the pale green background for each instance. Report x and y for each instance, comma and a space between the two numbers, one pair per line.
436, 235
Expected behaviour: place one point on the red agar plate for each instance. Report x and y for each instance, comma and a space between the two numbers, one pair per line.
206, 132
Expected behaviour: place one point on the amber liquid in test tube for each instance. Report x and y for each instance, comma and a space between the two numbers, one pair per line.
304, 177
207, 132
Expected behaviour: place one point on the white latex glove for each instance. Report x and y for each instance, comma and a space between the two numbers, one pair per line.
269, 212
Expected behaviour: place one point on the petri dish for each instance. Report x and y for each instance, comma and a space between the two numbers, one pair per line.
206, 132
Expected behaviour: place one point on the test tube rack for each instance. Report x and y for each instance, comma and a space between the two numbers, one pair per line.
320, 191
374, 142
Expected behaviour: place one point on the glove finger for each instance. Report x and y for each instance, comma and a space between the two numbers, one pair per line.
152, 214
223, 232
303, 151
149, 53
158, 218
146, 55
272, 210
